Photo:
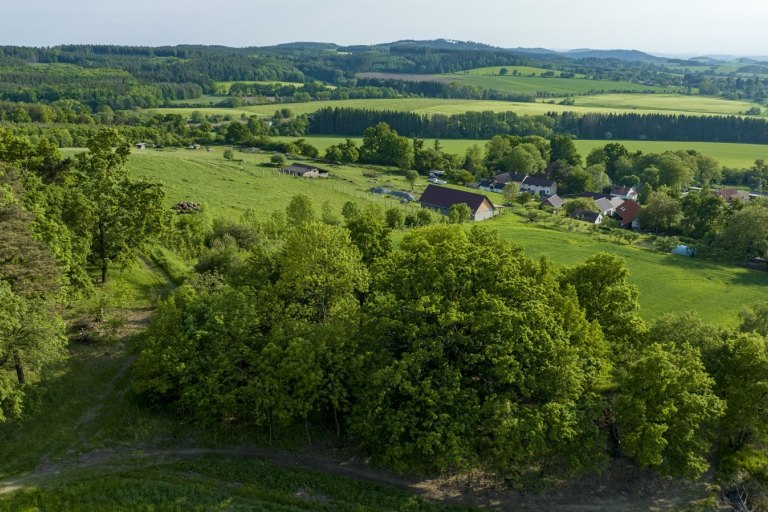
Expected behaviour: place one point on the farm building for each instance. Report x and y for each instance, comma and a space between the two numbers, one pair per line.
553, 201
587, 216
491, 186
442, 198
305, 171
624, 192
141, 145
608, 206
729, 195
396, 193
628, 212
539, 185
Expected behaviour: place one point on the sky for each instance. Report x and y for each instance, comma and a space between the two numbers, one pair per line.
684, 27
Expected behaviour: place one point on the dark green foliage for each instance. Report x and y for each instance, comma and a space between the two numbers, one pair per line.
666, 410
606, 297
486, 364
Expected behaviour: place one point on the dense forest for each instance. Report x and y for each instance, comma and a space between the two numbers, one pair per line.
483, 125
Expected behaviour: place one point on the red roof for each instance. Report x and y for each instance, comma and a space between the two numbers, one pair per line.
628, 211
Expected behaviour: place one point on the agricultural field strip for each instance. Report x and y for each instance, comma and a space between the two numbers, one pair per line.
643, 104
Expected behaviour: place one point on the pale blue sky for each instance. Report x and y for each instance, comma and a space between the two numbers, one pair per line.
667, 26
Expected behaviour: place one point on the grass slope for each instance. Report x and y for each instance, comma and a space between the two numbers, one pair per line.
667, 283
230, 188
716, 292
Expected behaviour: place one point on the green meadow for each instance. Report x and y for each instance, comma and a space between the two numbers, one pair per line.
692, 104
667, 283
607, 104
553, 86
223, 87
521, 70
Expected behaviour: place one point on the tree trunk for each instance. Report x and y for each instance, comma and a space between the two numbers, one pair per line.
103, 252
20, 371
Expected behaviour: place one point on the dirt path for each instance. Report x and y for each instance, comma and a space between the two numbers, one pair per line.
609, 492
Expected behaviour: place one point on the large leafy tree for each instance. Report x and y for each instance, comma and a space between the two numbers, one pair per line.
666, 410
481, 361
31, 331
606, 296
382, 145
562, 148
125, 213
274, 346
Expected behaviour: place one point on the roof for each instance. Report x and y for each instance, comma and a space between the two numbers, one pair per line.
301, 169
554, 200
443, 197
622, 191
605, 204
539, 181
586, 215
508, 177
628, 211
591, 195
729, 194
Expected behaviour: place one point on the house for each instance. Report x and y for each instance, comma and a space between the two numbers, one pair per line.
305, 171
539, 185
628, 212
608, 206
442, 198
624, 193
491, 186
508, 177
141, 145
553, 201
587, 216
732, 194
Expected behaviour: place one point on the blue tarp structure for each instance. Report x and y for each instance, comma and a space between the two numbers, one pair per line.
684, 250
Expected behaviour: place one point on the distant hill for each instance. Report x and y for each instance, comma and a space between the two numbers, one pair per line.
627, 55
299, 45
442, 44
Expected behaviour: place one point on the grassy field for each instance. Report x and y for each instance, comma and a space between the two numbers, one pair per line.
524, 83
553, 86
205, 99
521, 70
716, 292
223, 87
230, 188
665, 102
696, 105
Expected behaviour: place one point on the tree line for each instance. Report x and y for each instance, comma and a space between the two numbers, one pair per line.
484, 125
